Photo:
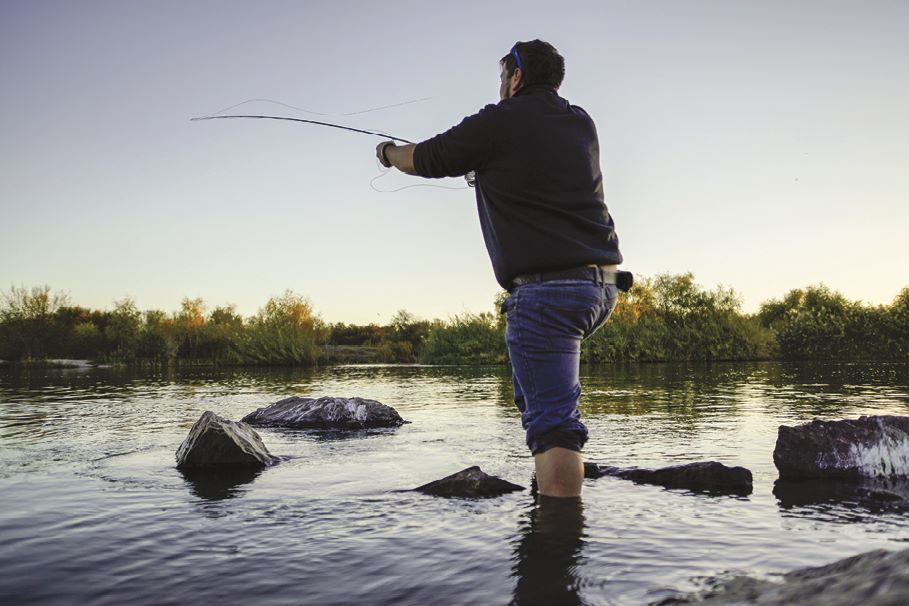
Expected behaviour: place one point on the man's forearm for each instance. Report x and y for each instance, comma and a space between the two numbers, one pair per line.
401, 157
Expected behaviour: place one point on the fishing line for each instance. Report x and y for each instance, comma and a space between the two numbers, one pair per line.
384, 171
314, 113
378, 133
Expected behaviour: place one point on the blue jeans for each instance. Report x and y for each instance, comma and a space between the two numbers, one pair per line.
546, 323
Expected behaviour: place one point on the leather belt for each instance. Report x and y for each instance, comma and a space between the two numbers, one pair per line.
594, 273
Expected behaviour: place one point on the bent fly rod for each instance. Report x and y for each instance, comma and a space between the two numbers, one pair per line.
356, 130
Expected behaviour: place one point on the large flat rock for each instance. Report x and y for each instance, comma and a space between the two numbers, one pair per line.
325, 413
851, 449
214, 442
469, 483
876, 578
703, 476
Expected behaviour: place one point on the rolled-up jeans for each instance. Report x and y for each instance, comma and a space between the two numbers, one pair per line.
546, 322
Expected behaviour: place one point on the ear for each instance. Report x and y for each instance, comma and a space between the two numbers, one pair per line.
517, 80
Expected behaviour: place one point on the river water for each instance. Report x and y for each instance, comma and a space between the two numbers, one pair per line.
94, 512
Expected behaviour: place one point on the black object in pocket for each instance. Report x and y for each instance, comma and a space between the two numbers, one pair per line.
624, 280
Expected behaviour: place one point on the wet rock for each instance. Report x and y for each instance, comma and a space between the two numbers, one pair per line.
876, 578
216, 442
851, 449
470, 482
706, 476
592, 470
326, 413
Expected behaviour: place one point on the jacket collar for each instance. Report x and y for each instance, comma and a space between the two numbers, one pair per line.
534, 89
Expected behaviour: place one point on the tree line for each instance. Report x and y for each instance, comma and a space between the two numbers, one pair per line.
665, 318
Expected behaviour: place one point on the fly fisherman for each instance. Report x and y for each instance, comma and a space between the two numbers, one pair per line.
551, 240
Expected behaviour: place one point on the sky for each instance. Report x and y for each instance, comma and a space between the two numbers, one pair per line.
762, 146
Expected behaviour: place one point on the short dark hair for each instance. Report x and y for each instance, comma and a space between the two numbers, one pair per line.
541, 63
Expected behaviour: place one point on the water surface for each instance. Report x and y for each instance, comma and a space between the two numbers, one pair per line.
94, 511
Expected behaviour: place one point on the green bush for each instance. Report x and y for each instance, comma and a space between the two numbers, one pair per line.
284, 332
466, 339
672, 318
668, 317
123, 330
817, 323
27, 322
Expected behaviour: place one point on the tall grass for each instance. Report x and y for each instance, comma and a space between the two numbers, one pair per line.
34, 325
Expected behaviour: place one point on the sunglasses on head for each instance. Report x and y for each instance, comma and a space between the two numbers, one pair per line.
517, 58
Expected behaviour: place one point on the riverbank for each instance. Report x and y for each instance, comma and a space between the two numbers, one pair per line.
664, 319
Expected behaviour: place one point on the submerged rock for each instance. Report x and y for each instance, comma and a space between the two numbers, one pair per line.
217, 442
325, 413
706, 476
876, 578
470, 482
851, 449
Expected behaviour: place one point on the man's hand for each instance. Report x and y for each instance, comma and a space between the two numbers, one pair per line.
398, 156
381, 153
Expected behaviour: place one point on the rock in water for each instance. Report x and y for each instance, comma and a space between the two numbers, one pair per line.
592, 470
217, 442
707, 476
852, 449
876, 578
471, 483
326, 413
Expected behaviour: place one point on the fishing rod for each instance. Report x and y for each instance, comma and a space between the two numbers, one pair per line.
469, 177
356, 130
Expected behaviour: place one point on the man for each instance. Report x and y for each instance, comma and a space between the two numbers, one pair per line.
549, 235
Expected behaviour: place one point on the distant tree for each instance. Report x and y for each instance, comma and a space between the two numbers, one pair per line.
285, 331
222, 335
897, 326
190, 322
159, 340
408, 335
123, 329
27, 321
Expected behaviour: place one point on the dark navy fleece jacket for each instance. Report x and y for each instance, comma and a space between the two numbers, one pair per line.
539, 187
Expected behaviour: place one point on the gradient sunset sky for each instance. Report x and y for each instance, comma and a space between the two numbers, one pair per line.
759, 145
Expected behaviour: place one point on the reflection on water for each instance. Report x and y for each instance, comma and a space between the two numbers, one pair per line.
95, 511
218, 484
548, 553
872, 495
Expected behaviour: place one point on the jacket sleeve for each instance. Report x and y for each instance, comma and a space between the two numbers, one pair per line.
460, 149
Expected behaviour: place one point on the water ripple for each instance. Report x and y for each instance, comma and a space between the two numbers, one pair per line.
95, 512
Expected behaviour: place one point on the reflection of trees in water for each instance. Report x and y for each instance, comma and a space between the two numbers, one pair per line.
822, 389
694, 391
548, 553
125, 381
683, 390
